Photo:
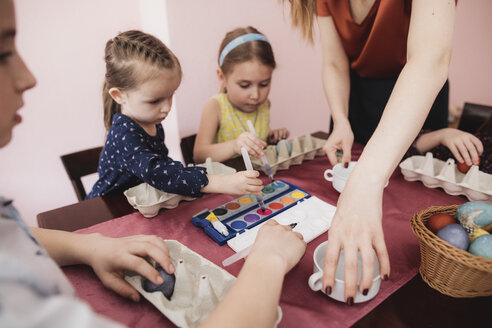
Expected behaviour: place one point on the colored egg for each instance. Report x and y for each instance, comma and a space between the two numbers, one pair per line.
463, 167
475, 215
439, 220
456, 235
167, 287
482, 246
286, 143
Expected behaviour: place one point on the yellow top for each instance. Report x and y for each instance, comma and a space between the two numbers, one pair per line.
233, 121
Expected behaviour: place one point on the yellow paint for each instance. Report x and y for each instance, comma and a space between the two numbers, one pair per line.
477, 232
298, 194
211, 217
245, 200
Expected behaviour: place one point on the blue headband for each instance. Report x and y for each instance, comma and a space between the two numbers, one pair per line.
238, 41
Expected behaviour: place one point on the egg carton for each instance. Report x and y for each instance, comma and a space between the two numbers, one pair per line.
303, 148
475, 184
200, 286
149, 200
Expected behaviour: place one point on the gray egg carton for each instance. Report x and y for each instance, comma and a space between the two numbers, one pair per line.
475, 184
303, 148
200, 286
149, 200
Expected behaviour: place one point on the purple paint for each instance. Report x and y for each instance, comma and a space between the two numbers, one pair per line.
251, 217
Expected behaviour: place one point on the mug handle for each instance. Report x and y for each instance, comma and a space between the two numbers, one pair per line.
327, 176
314, 281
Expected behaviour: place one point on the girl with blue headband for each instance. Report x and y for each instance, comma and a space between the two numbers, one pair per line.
246, 64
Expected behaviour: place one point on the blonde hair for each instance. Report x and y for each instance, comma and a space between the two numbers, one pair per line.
303, 14
123, 54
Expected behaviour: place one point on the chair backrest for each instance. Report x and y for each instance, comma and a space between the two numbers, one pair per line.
187, 144
80, 164
474, 116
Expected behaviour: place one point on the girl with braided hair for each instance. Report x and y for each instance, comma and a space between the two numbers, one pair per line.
142, 75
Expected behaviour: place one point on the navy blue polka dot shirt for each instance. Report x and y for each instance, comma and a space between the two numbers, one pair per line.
131, 156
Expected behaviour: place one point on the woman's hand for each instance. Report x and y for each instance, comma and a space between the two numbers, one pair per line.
251, 142
110, 257
465, 146
356, 227
341, 138
276, 242
276, 135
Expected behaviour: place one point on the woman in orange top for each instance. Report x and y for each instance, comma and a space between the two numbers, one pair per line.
384, 64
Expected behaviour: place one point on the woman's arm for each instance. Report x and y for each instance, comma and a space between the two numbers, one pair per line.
336, 84
205, 145
357, 221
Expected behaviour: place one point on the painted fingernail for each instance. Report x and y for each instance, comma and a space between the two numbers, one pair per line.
328, 290
345, 165
385, 278
350, 301
365, 291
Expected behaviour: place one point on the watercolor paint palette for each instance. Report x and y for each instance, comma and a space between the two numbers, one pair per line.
243, 213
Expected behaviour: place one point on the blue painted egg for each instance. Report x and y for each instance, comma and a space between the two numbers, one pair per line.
167, 287
287, 144
475, 213
456, 235
482, 246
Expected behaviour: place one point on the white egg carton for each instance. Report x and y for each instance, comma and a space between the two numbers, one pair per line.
149, 200
303, 148
475, 184
200, 286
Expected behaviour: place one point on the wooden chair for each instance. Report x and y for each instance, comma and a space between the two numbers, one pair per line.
80, 164
187, 144
474, 116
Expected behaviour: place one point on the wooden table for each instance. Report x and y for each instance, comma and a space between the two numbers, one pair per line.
413, 305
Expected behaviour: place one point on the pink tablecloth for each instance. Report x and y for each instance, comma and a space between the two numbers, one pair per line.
301, 306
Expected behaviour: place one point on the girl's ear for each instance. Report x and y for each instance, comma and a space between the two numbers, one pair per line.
220, 76
117, 95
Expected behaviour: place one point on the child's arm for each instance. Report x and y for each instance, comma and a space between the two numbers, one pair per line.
109, 257
464, 146
253, 299
240, 183
219, 152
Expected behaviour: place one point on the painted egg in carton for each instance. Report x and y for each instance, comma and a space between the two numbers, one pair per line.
475, 184
281, 156
199, 287
149, 200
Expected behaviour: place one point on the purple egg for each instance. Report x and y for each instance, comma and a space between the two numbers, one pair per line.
456, 235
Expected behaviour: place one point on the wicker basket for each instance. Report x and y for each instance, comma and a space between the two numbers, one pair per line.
445, 268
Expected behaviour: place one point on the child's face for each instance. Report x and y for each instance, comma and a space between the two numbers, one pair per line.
149, 103
15, 77
247, 84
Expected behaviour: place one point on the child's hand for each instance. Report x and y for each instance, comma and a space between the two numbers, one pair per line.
252, 143
278, 242
112, 256
275, 136
464, 146
240, 183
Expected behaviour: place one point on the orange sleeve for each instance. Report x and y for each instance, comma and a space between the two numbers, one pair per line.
322, 8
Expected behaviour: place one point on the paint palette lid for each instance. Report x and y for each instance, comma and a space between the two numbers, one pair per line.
149, 200
199, 287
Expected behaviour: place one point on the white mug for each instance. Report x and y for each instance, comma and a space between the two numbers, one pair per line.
338, 290
339, 175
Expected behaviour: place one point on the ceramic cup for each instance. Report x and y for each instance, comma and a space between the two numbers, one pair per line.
339, 175
338, 290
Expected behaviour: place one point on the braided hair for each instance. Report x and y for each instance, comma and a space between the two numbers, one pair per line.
123, 55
